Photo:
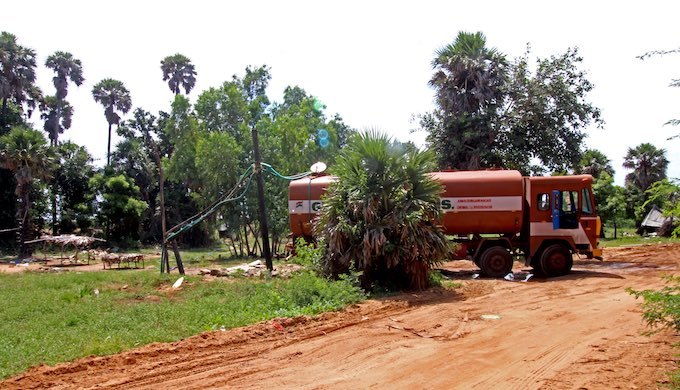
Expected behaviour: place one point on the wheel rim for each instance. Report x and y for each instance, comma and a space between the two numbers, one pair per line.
496, 262
555, 262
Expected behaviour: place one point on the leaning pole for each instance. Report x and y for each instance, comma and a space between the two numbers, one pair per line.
260, 202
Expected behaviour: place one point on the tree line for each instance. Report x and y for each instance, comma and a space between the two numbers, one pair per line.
201, 149
490, 112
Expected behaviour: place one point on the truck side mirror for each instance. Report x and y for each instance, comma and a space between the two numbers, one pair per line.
556, 208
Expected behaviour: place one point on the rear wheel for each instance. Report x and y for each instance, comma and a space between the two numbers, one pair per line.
495, 262
556, 260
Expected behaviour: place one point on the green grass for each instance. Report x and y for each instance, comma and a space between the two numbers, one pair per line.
51, 318
626, 235
635, 240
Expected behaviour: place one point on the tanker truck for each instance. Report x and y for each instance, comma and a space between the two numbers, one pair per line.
494, 216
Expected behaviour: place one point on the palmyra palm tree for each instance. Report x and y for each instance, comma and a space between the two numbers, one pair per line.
57, 115
113, 95
468, 82
17, 75
178, 71
468, 75
58, 111
648, 163
25, 153
66, 68
378, 217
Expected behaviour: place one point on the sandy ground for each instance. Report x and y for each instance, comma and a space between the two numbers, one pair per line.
581, 331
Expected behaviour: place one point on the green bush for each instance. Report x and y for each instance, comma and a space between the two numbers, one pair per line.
306, 254
379, 217
661, 308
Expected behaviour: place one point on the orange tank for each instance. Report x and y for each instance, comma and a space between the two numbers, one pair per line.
304, 202
479, 202
473, 202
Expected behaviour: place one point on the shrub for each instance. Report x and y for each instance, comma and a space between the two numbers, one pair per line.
379, 218
661, 308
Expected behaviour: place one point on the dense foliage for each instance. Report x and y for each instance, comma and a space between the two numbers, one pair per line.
493, 113
24, 152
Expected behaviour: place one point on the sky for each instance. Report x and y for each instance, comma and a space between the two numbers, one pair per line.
368, 61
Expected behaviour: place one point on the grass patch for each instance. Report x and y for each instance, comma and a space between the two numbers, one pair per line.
51, 318
437, 279
219, 255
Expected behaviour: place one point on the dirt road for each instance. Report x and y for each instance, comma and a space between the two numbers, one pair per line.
578, 331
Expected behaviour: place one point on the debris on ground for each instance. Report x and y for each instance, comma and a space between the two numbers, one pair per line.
256, 269
517, 277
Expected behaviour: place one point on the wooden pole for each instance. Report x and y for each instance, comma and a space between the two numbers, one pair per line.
260, 201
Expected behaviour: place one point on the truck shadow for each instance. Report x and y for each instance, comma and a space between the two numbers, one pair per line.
578, 274
521, 276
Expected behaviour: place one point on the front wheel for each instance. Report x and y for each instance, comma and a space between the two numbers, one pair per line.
556, 260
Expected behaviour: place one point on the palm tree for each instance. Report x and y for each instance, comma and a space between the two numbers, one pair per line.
17, 75
648, 163
593, 162
25, 153
178, 71
113, 95
57, 115
468, 82
66, 68
379, 217
468, 75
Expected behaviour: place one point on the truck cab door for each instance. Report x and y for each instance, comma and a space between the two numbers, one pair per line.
556, 207
564, 211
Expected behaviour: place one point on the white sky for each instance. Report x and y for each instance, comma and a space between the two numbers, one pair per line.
367, 61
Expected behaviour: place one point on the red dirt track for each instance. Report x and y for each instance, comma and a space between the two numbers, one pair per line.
581, 331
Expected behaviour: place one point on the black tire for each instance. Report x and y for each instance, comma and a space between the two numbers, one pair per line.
495, 262
556, 260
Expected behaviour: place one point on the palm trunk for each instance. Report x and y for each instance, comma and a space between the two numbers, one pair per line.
108, 148
24, 221
240, 242
54, 208
4, 115
245, 236
161, 186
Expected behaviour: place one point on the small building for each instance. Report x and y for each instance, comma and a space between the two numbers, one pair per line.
653, 220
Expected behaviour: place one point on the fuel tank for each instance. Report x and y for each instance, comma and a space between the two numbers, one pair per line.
472, 202
304, 202
479, 202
